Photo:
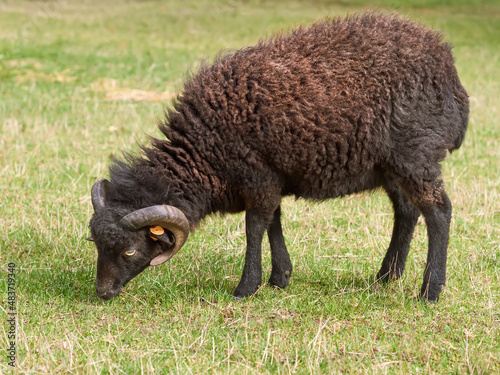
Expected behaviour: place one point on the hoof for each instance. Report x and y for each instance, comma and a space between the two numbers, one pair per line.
280, 279
244, 291
386, 276
430, 293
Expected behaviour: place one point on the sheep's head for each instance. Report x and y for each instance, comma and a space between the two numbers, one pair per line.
128, 242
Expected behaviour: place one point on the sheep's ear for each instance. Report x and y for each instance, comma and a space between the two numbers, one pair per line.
98, 194
90, 239
157, 233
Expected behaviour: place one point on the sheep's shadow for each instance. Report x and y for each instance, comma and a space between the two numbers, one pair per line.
78, 285
345, 283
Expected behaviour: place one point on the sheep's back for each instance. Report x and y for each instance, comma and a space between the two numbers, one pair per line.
317, 105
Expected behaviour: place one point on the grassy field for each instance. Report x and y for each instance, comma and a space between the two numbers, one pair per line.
80, 81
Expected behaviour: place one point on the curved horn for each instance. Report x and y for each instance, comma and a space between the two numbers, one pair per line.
168, 217
98, 194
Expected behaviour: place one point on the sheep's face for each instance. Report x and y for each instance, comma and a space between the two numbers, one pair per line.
129, 241
122, 253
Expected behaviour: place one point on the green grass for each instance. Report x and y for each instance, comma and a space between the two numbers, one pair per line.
80, 81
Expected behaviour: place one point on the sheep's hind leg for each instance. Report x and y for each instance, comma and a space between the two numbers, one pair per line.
438, 218
405, 219
282, 266
435, 205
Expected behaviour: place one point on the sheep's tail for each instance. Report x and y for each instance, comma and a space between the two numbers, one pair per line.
461, 135
462, 101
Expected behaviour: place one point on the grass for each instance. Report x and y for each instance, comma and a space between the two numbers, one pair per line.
80, 81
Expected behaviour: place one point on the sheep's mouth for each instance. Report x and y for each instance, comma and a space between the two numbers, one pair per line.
108, 294
109, 289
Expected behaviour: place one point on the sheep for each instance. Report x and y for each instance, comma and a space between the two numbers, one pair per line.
343, 106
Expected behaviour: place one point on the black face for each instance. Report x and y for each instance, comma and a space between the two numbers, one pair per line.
122, 254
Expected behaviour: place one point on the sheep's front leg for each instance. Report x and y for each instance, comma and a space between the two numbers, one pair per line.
282, 266
251, 278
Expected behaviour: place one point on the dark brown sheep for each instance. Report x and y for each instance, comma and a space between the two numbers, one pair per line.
333, 109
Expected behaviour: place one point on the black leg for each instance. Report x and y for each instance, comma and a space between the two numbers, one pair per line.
431, 199
437, 218
405, 219
251, 278
282, 266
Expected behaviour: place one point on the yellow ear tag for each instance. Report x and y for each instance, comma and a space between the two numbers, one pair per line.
157, 231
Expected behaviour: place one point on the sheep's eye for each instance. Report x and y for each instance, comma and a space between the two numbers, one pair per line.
130, 252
